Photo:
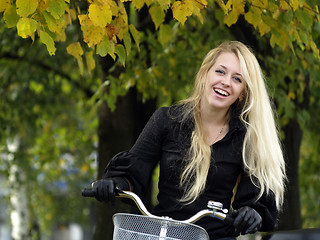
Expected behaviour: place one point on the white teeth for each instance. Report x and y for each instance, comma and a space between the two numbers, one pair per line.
221, 92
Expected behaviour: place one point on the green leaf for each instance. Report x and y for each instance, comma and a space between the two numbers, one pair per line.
157, 15
253, 16
136, 35
57, 8
164, 34
26, 7
11, 17
121, 52
127, 42
304, 17
106, 47
48, 41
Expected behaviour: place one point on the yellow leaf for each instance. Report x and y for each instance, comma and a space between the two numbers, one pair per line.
54, 25
231, 18
75, 50
222, 6
84, 20
261, 3
284, 5
201, 4
91, 64
253, 16
43, 4
26, 27
263, 28
294, 4
80, 65
238, 6
93, 35
164, 4
181, 10
26, 7
100, 15
197, 12
291, 95
46, 39
229, 5
4, 4
138, 4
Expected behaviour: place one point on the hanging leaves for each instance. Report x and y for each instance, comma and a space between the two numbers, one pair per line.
105, 26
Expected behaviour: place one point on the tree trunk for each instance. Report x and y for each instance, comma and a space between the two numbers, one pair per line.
117, 132
290, 217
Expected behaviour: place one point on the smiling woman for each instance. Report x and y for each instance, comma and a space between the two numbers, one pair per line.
223, 135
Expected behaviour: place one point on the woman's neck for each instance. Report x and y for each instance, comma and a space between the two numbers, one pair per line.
215, 124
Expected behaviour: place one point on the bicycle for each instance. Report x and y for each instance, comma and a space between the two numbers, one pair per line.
150, 227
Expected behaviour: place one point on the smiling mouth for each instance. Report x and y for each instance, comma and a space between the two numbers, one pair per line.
221, 92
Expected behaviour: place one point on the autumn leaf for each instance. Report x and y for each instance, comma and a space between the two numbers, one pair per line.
121, 52
4, 4
138, 4
157, 15
46, 39
181, 10
11, 17
57, 8
127, 42
164, 34
26, 27
75, 50
106, 47
136, 35
91, 64
100, 15
26, 7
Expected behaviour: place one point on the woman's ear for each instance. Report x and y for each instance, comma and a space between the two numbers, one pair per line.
241, 97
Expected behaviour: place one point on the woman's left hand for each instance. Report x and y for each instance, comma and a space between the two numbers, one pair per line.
246, 220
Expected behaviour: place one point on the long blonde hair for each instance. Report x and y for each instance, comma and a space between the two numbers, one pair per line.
262, 153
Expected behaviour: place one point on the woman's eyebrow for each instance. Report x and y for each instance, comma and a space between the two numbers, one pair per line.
224, 67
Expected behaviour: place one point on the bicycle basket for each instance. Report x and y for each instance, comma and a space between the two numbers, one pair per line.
140, 227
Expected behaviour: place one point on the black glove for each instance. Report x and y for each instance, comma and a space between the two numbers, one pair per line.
105, 189
246, 220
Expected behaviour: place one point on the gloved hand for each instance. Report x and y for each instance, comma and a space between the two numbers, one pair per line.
246, 220
105, 189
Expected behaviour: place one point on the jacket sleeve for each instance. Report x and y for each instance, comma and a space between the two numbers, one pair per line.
137, 164
247, 194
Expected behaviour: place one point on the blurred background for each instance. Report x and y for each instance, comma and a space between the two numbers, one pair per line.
79, 80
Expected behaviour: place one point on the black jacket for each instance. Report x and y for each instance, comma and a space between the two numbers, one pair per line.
166, 140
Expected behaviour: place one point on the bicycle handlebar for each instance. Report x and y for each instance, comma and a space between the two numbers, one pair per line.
214, 208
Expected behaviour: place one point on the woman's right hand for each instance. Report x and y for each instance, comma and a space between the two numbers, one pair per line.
106, 189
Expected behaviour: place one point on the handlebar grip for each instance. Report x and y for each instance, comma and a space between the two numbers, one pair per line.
87, 193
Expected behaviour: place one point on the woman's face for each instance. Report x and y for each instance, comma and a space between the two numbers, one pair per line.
224, 83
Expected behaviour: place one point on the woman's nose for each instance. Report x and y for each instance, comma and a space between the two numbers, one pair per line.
226, 81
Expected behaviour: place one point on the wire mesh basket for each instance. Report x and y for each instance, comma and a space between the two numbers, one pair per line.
140, 227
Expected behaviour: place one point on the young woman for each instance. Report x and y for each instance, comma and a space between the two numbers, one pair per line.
223, 133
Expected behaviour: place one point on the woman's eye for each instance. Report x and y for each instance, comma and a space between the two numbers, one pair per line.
237, 79
219, 71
